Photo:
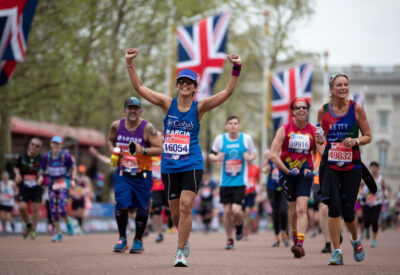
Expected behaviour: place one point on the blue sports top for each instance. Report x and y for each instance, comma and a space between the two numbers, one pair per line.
181, 149
234, 167
273, 177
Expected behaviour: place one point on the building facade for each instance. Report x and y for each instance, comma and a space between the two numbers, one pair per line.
380, 89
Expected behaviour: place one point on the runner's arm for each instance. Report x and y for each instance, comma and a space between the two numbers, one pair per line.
155, 98
210, 103
276, 148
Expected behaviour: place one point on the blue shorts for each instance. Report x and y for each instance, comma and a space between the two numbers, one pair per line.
132, 191
249, 200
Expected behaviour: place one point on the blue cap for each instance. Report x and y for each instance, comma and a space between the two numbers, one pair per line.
187, 73
132, 101
57, 139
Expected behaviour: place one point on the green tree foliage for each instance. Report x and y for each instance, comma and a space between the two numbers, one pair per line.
74, 72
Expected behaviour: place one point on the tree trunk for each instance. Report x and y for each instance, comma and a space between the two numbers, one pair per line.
5, 131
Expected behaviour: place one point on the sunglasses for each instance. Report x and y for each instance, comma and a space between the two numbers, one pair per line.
35, 145
182, 81
301, 107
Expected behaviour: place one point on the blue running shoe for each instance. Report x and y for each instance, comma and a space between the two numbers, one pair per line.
186, 249
121, 245
337, 258
180, 259
160, 238
57, 238
137, 247
70, 228
359, 252
373, 243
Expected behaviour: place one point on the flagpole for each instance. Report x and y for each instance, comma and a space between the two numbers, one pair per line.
325, 76
170, 72
265, 96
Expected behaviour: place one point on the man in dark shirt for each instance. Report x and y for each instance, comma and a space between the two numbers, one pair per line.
26, 175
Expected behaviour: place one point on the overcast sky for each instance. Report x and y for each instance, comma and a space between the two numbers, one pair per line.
364, 32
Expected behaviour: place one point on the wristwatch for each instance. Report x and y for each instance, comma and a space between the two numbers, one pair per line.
145, 151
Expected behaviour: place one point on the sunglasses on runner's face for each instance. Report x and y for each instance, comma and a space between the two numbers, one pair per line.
301, 107
182, 81
35, 144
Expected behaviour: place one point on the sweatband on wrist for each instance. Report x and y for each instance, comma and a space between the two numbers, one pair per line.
237, 67
235, 73
129, 65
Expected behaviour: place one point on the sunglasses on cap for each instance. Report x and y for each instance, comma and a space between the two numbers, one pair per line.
182, 81
300, 107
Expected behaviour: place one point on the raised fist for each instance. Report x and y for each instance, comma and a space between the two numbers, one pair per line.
130, 54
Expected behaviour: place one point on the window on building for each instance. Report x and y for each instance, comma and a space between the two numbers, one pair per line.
383, 156
383, 120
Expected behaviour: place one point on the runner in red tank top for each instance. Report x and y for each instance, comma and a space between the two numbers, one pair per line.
296, 140
340, 169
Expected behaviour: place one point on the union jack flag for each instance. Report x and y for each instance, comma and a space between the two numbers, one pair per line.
201, 48
285, 86
359, 97
15, 22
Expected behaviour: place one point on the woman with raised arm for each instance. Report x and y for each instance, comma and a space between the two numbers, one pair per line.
182, 161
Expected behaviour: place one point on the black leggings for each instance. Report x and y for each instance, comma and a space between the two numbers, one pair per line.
371, 216
343, 190
279, 210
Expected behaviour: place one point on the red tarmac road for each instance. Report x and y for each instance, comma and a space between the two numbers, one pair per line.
92, 254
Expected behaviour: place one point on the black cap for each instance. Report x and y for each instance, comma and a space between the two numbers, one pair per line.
132, 101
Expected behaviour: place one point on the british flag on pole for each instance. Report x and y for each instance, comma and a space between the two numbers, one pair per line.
285, 86
15, 22
201, 48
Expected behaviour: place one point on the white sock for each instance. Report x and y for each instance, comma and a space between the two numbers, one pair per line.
338, 250
358, 238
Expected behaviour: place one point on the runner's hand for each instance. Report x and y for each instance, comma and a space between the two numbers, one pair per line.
234, 58
308, 173
40, 181
349, 142
293, 172
130, 54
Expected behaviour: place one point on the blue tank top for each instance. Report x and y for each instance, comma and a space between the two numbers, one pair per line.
273, 177
181, 148
234, 166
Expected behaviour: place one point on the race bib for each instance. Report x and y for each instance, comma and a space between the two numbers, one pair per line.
6, 197
78, 192
206, 192
129, 163
299, 143
59, 184
176, 146
275, 174
233, 167
156, 173
340, 154
30, 180
371, 199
